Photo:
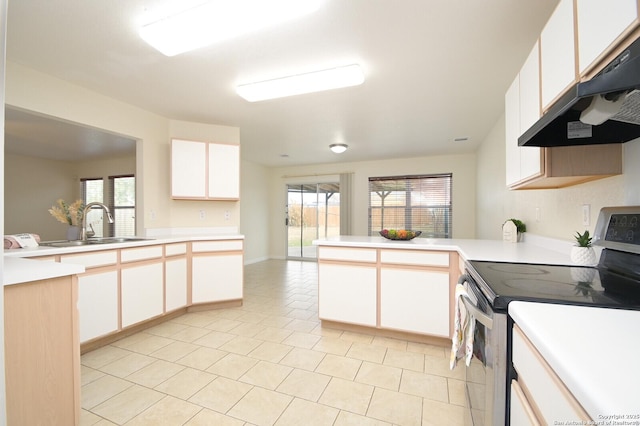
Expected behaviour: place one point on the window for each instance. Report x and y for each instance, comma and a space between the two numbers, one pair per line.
93, 191
420, 203
123, 205
120, 197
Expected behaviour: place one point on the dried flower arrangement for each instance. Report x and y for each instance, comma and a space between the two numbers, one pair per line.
70, 214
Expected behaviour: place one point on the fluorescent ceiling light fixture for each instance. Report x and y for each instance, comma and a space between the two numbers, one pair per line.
334, 78
338, 148
218, 20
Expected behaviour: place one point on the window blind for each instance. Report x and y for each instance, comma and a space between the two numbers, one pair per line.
420, 203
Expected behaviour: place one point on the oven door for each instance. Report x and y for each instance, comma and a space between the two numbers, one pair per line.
485, 383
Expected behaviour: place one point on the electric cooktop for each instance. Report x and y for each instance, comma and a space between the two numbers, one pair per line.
613, 283
505, 282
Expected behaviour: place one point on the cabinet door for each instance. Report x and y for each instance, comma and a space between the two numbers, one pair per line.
347, 293
142, 293
557, 53
512, 131
175, 284
415, 300
224, 171
600, 23
98, 304
530, 157
216, 278
188, 169
521, 412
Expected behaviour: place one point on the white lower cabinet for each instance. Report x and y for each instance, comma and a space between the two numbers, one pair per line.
142, 293
98, 304
175, 284
521, 412
414, 300
348, 293
216, 277
541, 386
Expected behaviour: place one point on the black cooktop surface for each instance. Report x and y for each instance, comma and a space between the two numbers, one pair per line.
591, 286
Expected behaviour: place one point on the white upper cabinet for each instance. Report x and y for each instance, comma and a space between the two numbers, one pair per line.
522, 109
224, 171
557, 53
601, 24
188, 169
204, 170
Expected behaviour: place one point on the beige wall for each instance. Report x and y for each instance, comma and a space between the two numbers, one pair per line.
463, 168
34, 91
560, 209
254, 214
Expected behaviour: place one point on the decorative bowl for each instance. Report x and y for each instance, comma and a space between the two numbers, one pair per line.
399, 234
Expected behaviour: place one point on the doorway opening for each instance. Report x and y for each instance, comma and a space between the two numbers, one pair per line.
312, 212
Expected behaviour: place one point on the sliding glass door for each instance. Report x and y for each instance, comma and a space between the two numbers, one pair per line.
313, 211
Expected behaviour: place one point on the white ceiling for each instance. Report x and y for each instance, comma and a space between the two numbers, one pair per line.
435, 70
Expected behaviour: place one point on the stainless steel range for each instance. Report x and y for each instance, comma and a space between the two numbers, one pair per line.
613, 283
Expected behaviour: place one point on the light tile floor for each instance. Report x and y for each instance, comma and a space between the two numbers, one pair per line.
268, 362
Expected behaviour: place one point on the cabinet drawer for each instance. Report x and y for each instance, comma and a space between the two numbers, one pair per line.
175, 249
92, 260
223, 245
410, 257
140, 253
541, 384
347, 254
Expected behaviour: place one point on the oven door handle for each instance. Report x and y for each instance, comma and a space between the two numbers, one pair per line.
481, 317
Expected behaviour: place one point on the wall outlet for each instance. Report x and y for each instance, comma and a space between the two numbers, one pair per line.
586, 214
227, 215
537, 214
152, 214
203, 215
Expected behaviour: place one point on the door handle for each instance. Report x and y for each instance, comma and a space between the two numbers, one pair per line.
481, 317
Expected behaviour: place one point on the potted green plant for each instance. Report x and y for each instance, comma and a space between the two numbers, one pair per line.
582, 253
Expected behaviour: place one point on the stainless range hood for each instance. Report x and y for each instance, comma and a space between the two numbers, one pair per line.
605, 109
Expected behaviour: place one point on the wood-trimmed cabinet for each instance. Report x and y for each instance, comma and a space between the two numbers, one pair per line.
216, 271
204, 170
176, 276
539, 396
551, 68
141, 284
98, 293
398, 290
127, 287
347, 290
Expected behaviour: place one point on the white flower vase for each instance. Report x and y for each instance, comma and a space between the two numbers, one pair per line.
583, 255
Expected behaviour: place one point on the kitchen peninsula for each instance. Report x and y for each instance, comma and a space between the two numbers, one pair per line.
402, 288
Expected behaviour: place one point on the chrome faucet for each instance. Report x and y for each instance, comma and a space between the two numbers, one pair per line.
83, 232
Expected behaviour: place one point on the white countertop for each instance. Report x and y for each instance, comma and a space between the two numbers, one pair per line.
18, 270
47, 250
594, 351
491, 250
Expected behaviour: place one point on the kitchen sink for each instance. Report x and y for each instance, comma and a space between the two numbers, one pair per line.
90, 241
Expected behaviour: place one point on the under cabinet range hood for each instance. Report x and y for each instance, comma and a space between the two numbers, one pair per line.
605, 109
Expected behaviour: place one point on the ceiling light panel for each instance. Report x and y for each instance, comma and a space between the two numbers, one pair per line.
218, 20
334, 78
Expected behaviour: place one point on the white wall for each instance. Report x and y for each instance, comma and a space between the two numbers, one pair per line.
463, 168
560, 209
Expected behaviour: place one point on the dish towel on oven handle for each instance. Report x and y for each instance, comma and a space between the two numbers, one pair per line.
464, 325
